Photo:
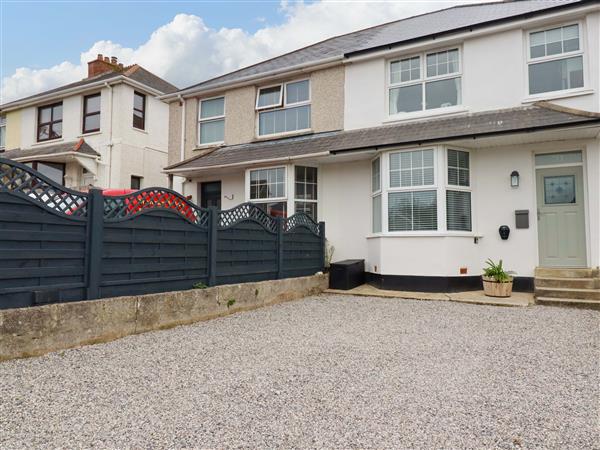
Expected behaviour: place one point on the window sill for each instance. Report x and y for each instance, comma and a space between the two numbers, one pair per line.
275, 136
91, 133
450, 110
207, 146
139, 130
557, 95
409, 234
47, 142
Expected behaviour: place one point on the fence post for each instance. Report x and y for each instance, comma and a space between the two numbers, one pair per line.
323, 244
213, 225
279, 247
95, 239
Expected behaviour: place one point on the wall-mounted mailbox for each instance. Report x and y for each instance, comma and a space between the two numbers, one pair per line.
522, 218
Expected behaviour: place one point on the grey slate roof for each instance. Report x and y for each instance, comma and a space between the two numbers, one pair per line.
76, 147
488, 123
409, 29
135, 72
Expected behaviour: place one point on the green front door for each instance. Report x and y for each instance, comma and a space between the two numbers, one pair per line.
561, 217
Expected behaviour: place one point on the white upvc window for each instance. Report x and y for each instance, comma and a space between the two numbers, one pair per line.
2, 132
422, 192
283, 108
267, 188
426, 81
305, 191
555, 59
211, 121
458, 190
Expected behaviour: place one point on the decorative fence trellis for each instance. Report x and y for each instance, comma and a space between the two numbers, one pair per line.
60, 245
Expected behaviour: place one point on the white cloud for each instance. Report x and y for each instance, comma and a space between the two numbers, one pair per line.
186, 50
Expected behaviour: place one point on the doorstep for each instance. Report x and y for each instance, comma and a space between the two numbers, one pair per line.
473, 297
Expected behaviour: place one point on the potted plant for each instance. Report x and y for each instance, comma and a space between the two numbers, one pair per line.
496, 281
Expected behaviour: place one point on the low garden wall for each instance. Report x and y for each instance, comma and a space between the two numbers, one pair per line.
38, 330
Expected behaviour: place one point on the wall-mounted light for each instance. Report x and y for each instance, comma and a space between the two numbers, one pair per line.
514, 179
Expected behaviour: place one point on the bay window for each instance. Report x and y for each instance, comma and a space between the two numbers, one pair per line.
305, 191
424, 82
408, 196
283, 108
211, 121
267, 190
555, 59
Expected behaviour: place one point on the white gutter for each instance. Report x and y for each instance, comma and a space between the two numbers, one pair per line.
249, 79
251, 163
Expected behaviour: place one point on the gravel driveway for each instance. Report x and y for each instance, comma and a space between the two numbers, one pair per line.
327, 371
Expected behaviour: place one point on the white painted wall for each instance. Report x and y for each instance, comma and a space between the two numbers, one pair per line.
134, 152
494, 76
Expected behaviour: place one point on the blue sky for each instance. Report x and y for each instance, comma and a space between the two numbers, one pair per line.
46, 43
74, 26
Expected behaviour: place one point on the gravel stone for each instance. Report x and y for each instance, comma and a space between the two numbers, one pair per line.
325, 371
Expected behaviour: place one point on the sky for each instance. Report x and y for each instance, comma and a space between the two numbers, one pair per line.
45, 43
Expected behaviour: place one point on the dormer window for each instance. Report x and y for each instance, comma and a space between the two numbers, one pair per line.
49, 122
555, 59
283, 108
423, 82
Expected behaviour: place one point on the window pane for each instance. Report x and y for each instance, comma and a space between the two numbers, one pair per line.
413, 168
377, 214
45, 115
267, 183
558, 158
308, 208
560, 189
406, 99
283, 120
274, 209
408, 211
212, 108
138, 119
269, 96
213, 131
556, 75
458, 168
297, 92
138, 101
376, 175
56, 130
458, 211
2, 136
43, 132
395, 72
92, 104
443, 93
57, 112
91, 123
52, 170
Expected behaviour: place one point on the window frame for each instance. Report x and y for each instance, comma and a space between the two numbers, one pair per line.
211, 119
143, 111
305, 200
139, 178
542, 59
52, 121
86, 114
270, 199
458, 188
35, 166
3, 124
379, 192
282, 105
423, 80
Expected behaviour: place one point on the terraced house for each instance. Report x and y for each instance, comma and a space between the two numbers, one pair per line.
427, 144
107, 130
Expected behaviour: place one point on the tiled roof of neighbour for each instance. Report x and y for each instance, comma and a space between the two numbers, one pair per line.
409, 29
488, 123
135, 72
80, 147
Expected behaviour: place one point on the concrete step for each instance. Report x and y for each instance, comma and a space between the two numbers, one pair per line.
548, 272
576, 283
569, 302
584, 294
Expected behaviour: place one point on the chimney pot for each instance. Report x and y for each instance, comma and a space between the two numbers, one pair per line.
106, 59
113, 60
121, 66
99, 56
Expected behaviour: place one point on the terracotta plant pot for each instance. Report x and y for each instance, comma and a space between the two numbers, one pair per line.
492, 288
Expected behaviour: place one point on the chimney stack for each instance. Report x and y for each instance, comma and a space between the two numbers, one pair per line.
103, 64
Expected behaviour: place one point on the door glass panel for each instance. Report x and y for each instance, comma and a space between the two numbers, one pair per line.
559, 189
549, 159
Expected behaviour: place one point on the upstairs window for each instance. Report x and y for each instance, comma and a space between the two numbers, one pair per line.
423, 82
555, 60
283, 108
2, 133
91, 113
139, 111
49, 122
211, 119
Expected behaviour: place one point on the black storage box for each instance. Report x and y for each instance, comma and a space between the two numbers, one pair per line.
347, 274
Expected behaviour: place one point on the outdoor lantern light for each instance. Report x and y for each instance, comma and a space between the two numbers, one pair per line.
514, 179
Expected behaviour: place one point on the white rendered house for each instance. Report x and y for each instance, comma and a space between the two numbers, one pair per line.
415, 141
108, 130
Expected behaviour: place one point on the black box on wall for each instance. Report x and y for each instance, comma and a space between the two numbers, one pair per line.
522, 218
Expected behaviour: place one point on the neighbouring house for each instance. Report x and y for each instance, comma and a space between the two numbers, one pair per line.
416, 140
108, 130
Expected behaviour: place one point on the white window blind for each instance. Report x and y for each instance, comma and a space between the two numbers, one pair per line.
412, 211
458, 210
377, 214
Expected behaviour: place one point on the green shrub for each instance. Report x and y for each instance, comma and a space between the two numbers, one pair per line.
496, 271
200, 285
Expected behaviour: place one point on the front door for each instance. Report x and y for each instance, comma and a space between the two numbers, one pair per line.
210, 194
561, 217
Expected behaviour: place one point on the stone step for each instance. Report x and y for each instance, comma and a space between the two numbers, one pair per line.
569, 302
565, 273
557, 282
585, 294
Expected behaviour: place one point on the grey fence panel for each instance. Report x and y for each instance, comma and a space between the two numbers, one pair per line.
60, 245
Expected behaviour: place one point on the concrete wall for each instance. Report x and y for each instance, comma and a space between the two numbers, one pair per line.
175, 110
494, 75
240, 115
327, 98
38, 330
13, 130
